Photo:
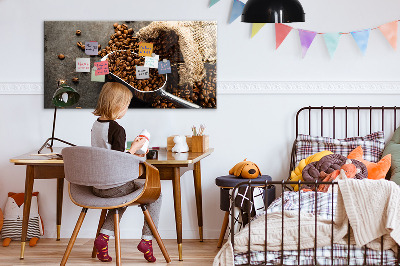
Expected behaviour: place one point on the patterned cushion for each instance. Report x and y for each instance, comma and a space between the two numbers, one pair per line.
372, 144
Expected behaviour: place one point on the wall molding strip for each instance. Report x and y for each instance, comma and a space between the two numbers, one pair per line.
260, 87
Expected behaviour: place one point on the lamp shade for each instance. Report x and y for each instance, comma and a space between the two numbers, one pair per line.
273, 11
65, 96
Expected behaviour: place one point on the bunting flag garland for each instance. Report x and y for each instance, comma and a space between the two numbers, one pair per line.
213, 2
306, 39
281, 31
332, 41
389, 30
237, 8
361, 38
255, 28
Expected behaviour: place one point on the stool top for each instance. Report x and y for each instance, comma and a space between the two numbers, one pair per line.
230, 181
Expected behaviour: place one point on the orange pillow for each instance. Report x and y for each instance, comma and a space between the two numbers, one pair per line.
375, 170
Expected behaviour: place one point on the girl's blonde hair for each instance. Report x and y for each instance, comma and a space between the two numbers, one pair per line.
112, 99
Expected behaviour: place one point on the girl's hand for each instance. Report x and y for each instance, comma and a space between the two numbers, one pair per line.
137, 144
142, 155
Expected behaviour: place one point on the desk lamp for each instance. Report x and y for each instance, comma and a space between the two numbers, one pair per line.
273, 11
63, 96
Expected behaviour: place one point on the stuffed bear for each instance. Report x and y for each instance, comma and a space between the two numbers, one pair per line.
13, 215
245, 169
180, 144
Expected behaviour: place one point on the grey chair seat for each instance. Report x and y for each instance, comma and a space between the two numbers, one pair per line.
83, 196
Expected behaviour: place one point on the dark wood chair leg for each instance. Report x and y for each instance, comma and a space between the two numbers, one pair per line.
117, 238
101, 222
223, 229
154, 230
73, 237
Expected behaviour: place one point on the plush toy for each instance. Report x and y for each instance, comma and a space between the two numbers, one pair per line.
348, 170
245, 169
180, 144
375, 170
13, 215
296, 174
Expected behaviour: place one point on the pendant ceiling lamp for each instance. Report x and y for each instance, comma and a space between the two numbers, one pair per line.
273, 11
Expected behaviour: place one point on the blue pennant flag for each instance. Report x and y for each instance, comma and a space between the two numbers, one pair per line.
361, 38
213, 2
332, 41
237, 9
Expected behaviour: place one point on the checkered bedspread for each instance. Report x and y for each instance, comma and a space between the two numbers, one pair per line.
321, 205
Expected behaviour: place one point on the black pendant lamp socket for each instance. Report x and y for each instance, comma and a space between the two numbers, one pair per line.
273, 11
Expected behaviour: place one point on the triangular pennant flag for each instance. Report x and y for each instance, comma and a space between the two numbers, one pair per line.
332, 41
213, 2
306, 39
255, 28
237, 9
390, 32
281, 31
361, 37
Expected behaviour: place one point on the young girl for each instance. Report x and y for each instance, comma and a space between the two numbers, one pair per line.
113, 103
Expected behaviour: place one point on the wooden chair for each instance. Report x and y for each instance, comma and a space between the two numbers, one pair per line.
85, 167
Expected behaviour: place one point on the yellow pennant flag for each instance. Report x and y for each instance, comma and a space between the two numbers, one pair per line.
255, 28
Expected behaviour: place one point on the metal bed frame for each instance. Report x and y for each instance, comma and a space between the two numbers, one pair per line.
283, 184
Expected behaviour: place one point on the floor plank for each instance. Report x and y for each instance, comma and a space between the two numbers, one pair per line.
49, 252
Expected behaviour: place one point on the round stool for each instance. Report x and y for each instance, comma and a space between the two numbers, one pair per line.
228, 182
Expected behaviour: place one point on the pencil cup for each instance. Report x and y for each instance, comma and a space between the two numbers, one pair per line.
200, 143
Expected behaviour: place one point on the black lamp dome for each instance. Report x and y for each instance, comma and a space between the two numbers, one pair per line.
273, 11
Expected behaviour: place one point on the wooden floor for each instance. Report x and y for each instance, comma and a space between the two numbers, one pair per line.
50, 252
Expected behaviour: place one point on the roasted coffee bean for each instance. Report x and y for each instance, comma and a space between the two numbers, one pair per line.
61, 56
78, 32
123, 64
75, 80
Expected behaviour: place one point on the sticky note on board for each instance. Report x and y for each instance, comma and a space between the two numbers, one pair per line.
142, 72
151, 62
91, 48
83, 65
164, 67
100, 78
145, 49
101, 68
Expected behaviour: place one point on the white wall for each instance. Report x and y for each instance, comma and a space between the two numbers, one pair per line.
259, 127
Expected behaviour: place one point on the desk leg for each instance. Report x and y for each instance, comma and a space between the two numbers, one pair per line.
60, 190
176, 182
27, 206
199, 204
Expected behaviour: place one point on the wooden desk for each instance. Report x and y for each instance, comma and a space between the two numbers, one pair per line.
171, 167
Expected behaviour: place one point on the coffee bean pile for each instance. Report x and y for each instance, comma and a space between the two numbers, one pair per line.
123, 64
122, 39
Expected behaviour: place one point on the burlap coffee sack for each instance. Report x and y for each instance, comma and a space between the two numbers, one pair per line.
197, 43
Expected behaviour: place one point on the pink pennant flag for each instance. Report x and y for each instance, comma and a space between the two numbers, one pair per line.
281, 31
389, 30
306, 39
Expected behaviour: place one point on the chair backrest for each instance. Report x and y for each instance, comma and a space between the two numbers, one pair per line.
92, 166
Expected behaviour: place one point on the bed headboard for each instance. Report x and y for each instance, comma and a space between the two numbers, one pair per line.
344, 121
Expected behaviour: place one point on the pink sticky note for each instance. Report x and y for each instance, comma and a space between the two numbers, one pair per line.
102, 68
